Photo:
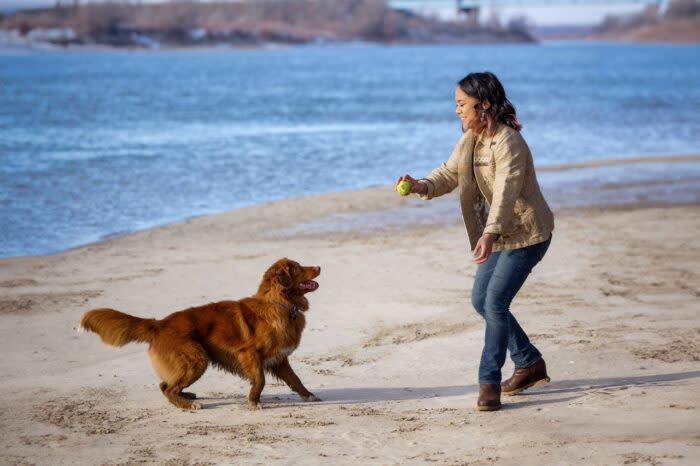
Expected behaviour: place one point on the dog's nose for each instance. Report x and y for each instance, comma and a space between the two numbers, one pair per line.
317, 270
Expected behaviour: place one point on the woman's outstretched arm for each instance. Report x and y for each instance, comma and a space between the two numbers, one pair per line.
442, 179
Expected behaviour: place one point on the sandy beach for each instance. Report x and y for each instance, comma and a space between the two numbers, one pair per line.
391, 346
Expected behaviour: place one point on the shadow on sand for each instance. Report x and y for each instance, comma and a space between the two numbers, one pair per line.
575, 388
587, 385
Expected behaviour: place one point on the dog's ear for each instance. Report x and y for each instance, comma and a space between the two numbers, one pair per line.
280, 277
283, 278
277, 280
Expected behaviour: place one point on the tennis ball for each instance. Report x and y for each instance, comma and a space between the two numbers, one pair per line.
404, 188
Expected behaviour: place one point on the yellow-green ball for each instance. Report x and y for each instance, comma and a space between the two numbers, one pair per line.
404, 188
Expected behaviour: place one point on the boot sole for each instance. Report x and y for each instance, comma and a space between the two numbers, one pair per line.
533, 384
488, 408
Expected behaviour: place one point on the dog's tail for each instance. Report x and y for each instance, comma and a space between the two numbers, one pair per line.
117, 329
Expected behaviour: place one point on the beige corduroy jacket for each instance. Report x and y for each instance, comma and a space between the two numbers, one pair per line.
517, 210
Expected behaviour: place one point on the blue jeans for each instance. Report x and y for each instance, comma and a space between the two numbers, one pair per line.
496, 282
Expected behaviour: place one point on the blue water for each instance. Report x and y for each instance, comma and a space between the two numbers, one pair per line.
94, 144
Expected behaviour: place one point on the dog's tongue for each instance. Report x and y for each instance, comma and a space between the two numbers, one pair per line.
308, 285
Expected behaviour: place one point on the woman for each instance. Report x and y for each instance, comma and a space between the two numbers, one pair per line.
492, 164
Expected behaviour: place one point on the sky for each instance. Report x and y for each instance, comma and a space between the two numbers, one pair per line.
544, 15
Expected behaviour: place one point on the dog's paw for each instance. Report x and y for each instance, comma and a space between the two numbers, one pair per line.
254, 406
311, 397
191, 407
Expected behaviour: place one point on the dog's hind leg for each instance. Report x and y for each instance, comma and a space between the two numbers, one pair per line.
180, 367
284, 372
188, 395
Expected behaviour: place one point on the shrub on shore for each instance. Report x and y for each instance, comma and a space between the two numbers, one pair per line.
679, 22
263, 20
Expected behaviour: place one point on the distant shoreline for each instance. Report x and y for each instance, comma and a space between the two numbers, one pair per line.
41, 46
7, 48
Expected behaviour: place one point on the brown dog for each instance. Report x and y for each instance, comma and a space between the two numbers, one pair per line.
246, 337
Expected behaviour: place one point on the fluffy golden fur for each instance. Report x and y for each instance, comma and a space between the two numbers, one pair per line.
246, 337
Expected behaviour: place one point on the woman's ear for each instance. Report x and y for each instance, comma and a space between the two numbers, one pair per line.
485, 104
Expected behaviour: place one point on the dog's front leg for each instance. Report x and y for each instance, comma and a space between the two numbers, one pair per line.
284, 371
253, 367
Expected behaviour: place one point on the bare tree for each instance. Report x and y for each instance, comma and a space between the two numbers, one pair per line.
682, 9
519, 24
494, 21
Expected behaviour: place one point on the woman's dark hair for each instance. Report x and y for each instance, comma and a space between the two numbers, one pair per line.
486, 86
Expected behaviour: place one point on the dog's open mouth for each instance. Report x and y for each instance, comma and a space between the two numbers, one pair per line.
308, 285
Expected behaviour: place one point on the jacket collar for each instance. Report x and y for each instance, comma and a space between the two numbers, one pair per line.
484, 139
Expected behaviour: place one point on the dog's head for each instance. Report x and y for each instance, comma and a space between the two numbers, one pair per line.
289, 281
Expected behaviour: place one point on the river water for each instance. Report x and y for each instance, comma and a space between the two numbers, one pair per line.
94, 144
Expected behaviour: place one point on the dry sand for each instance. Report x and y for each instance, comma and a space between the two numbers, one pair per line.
391, 346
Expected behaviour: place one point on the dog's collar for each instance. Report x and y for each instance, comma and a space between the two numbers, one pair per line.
292, 310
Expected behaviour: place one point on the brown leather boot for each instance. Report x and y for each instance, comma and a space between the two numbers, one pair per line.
522, 379
489, 397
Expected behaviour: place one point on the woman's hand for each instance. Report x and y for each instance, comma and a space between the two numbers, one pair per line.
416, 186
482, 251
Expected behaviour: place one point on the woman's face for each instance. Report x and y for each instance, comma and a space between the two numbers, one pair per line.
467, 112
